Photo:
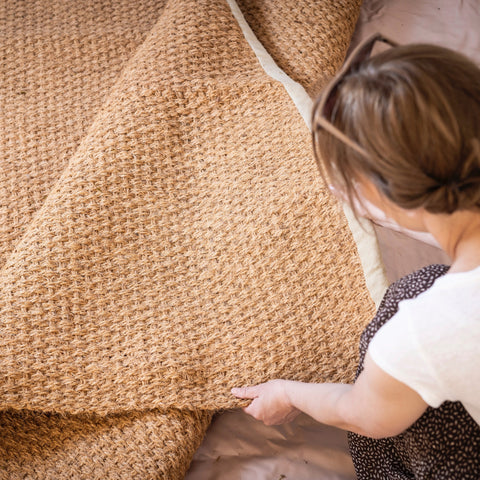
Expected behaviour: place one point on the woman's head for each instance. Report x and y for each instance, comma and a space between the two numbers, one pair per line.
414, 113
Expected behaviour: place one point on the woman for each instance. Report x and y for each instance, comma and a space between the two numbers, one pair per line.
401, 129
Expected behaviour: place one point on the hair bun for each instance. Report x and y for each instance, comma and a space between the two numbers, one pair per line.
456, 194
448, 196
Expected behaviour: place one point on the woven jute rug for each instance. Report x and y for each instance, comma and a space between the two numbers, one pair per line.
164, 234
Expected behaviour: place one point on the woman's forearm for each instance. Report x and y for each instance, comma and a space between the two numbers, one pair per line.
377, 405
326, 402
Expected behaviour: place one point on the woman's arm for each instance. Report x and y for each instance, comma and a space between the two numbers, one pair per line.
376, 406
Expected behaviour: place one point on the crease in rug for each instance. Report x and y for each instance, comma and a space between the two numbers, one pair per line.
165, 233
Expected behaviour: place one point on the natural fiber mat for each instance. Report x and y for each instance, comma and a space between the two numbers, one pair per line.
129, 446
300, 36
164, 234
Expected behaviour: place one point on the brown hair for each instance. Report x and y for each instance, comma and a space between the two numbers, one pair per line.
415, 110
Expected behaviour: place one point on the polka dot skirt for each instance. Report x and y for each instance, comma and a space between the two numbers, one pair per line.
444, 443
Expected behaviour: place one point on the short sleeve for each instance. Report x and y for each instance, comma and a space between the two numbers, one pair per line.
396, 350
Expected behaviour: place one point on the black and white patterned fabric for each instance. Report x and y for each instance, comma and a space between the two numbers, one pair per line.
444, 443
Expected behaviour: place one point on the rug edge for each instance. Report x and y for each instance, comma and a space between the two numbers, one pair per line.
362, 230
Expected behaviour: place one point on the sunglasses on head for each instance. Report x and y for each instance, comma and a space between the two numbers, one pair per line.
324, 106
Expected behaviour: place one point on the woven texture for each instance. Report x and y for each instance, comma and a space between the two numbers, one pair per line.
135, 445
301, 35
164, 234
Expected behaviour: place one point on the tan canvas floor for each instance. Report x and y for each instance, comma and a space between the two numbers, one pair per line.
236, 446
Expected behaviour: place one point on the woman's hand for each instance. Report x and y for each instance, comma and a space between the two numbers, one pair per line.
376, 406
270, 404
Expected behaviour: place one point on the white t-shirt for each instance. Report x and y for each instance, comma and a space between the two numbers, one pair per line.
432, 344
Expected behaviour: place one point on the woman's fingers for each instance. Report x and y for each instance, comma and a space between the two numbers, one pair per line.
245, 392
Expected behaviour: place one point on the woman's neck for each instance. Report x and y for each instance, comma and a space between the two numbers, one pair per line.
459, 236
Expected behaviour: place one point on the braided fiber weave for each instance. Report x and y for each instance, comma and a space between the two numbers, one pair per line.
300, 35
128, 446
164, 234
58, 63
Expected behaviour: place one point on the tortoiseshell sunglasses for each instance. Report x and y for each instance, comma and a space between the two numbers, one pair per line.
323, 108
